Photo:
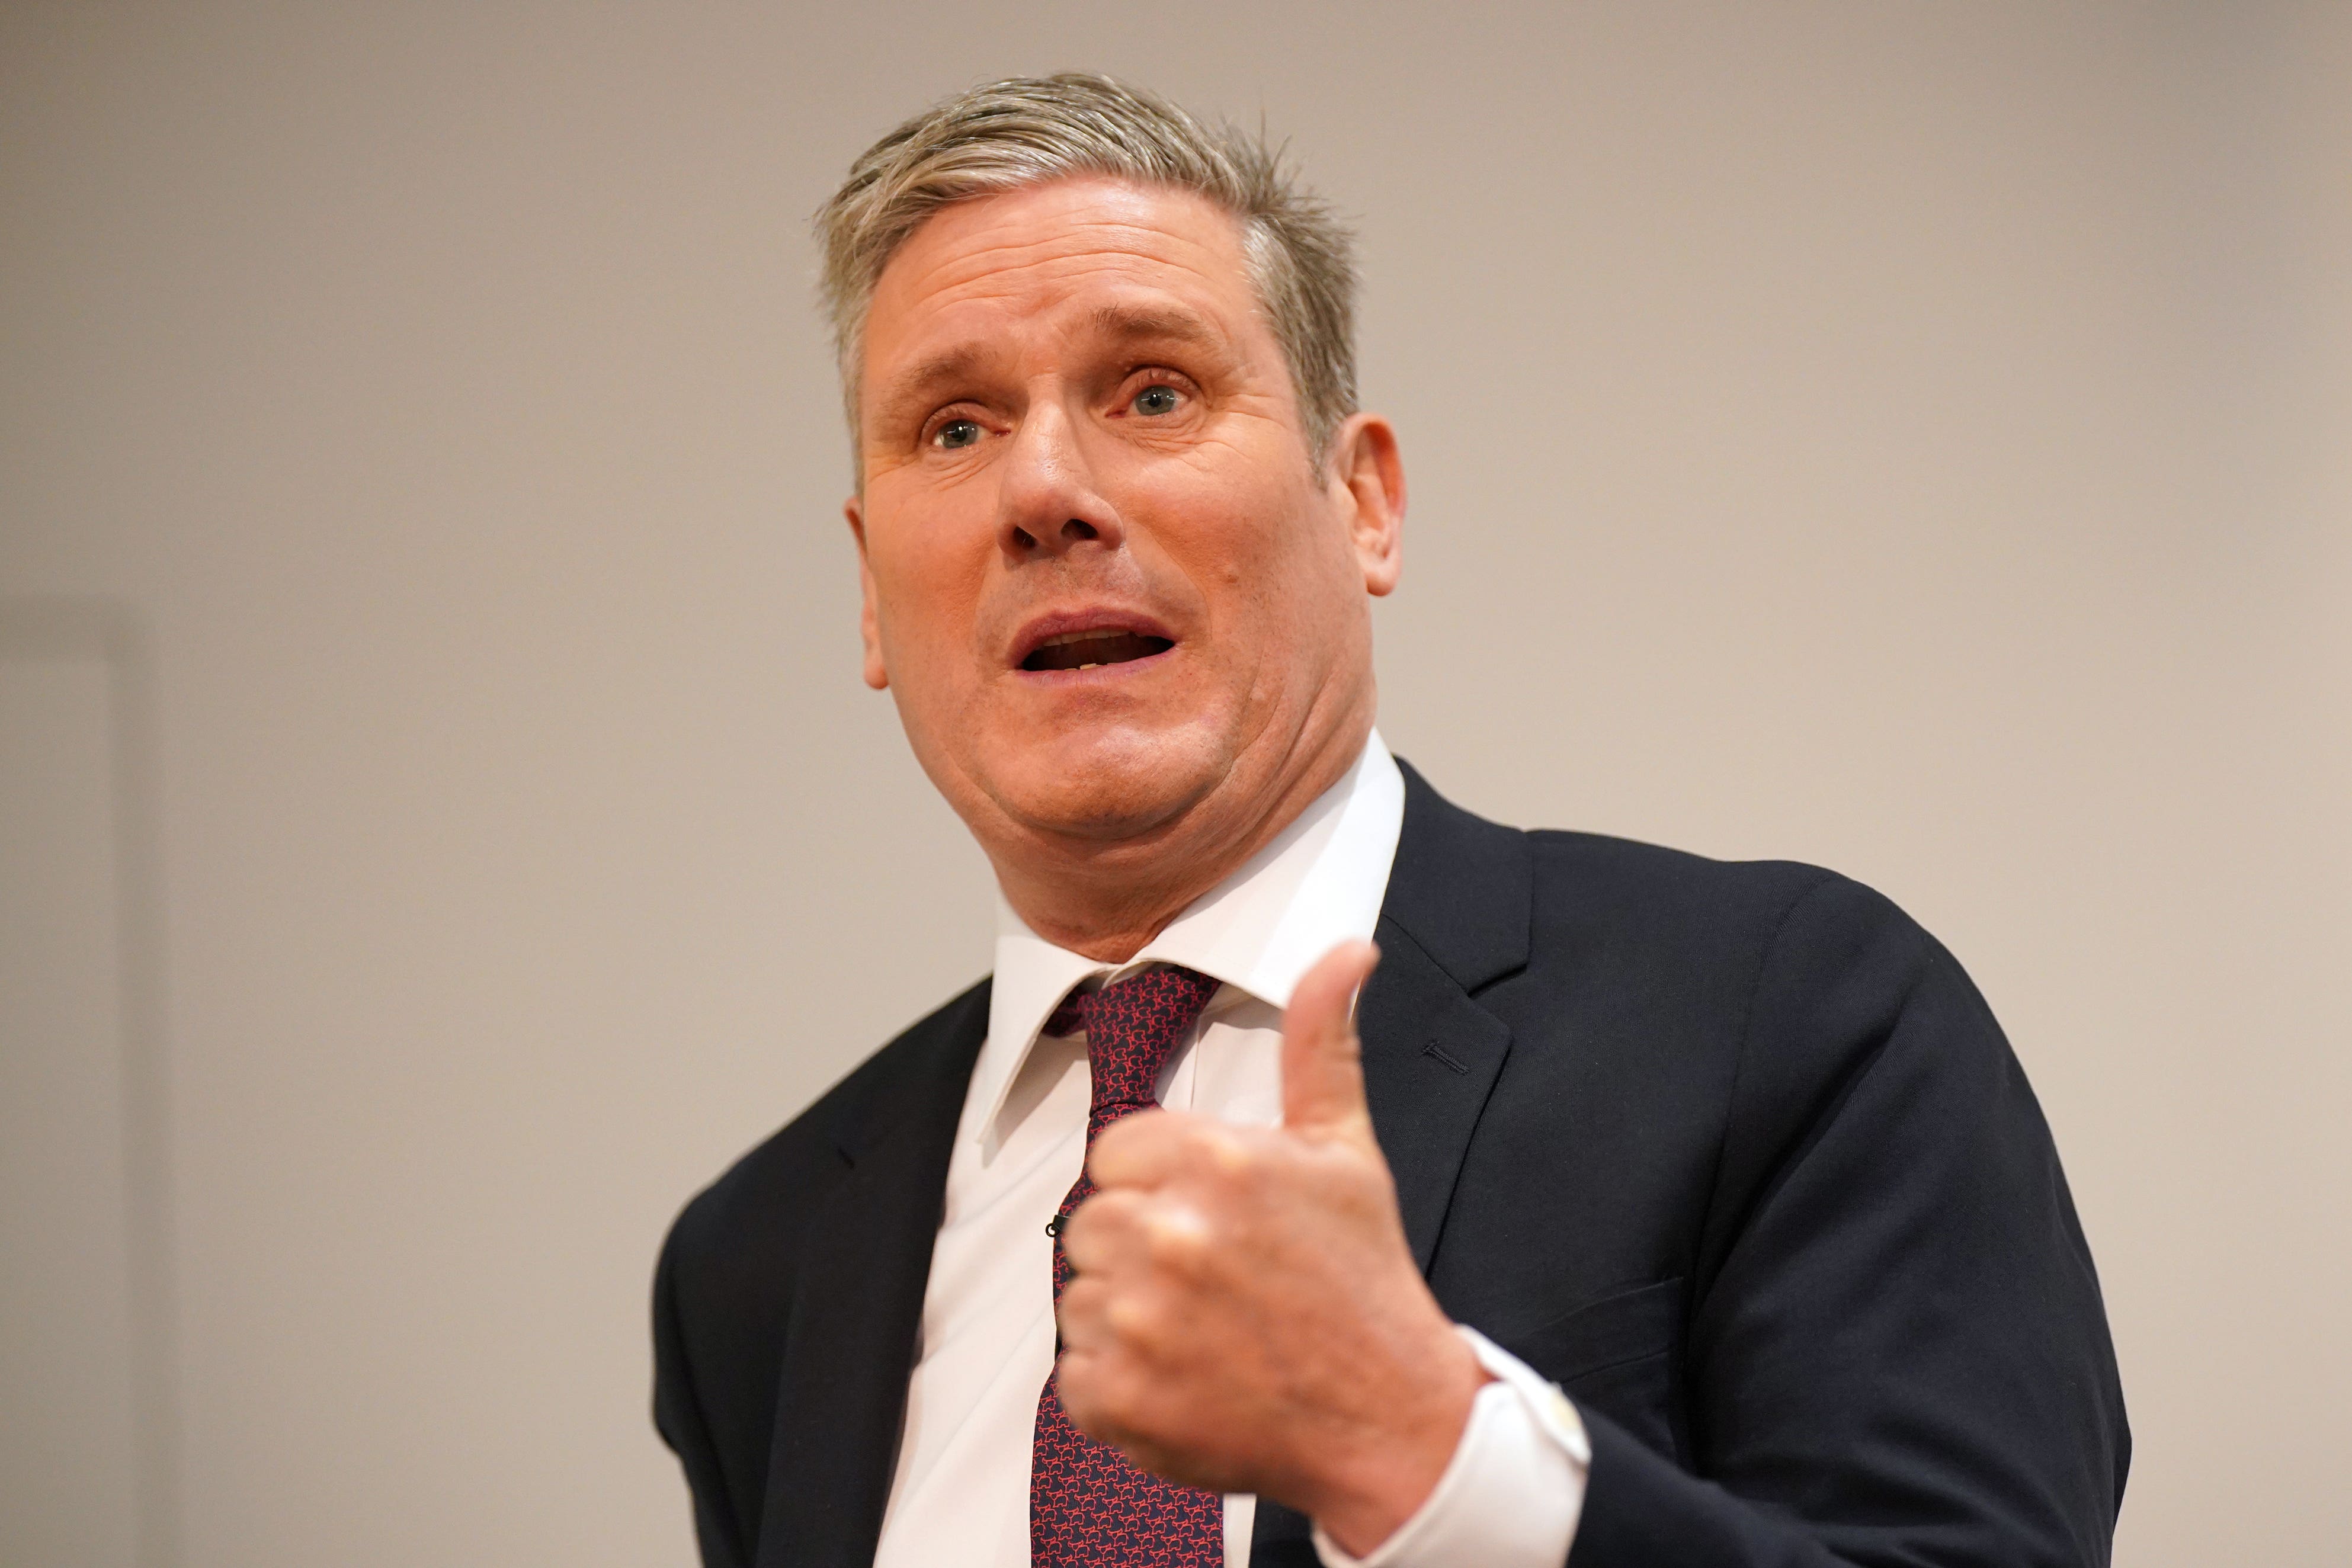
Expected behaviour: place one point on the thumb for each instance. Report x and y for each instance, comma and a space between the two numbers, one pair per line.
1322, 1061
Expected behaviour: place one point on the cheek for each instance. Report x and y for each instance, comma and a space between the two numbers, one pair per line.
1237, 531
927, 587
1272, 578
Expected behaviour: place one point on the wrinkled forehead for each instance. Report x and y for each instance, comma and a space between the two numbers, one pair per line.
1092, 256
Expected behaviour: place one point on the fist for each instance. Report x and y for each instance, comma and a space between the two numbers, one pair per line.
1245, 1313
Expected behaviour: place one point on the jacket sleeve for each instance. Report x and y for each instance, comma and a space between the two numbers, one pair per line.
1896, 1352
677, 1416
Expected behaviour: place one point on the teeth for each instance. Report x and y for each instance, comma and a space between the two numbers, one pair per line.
1069, 650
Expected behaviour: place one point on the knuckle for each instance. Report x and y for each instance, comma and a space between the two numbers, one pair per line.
1082, 1312
1118, 1404
1131, 1321
1077, 1379
1096, 1229
1148, 1325
1113, 1139
1082, 1233
1127, 1146
1177, 1235
1226, 1151
1101, 1394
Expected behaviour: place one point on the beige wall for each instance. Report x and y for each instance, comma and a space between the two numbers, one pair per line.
1911, 438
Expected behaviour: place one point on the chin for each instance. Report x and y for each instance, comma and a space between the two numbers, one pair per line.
1108, 786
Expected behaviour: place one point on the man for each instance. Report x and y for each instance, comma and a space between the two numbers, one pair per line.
1666, 1212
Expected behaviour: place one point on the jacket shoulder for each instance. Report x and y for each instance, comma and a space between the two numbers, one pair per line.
1490, 900
1626, 874
765, 1196
1649, 890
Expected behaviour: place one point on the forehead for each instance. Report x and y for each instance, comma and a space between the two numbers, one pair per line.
985, 268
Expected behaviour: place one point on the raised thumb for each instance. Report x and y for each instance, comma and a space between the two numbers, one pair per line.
1322, 1061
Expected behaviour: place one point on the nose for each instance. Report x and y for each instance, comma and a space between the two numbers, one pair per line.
1048, 503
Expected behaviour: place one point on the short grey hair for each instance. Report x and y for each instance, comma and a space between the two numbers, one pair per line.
1031, 131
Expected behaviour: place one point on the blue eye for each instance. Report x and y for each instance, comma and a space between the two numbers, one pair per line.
1157, 400
957, 433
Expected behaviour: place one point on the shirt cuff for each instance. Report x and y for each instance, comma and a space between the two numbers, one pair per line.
1511, 1495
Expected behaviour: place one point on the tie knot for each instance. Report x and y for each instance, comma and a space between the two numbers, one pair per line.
1131, 1028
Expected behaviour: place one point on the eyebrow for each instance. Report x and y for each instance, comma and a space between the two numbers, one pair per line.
951, 364
1139, 321
1126, 323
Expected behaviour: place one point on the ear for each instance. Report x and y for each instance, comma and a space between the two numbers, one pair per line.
869, 625
1367, 481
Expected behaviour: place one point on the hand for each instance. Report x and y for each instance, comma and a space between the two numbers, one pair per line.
1246, 1314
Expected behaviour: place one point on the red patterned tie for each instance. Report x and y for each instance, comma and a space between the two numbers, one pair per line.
1089, 1507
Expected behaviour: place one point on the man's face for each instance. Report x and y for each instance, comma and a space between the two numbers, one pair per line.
1106, 581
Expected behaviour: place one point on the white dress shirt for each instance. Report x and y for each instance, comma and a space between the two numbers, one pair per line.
1510, 1497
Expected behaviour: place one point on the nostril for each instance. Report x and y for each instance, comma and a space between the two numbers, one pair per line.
1078, 528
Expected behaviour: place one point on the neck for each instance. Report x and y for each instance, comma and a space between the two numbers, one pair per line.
1106, 901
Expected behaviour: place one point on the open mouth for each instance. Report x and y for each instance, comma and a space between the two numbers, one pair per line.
1084, 650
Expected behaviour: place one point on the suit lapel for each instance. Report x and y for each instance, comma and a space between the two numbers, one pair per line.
858, 1307
1430, 1056
1454, 921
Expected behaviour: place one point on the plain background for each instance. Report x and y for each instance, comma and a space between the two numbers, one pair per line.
443, 824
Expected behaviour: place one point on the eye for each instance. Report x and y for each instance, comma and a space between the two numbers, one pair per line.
1157, 400
956, 434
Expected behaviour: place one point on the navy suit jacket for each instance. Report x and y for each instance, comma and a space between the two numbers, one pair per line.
1733, 1153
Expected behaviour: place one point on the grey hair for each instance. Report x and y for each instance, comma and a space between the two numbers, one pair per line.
1031, 131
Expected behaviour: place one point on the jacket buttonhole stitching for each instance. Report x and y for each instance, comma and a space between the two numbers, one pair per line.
1445, 1056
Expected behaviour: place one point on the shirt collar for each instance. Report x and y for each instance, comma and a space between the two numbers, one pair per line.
1317, 882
